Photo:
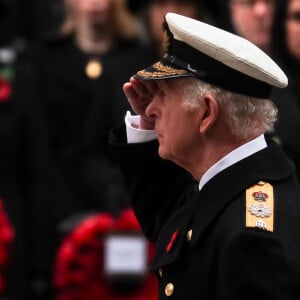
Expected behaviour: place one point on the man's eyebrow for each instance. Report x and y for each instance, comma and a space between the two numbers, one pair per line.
164, 84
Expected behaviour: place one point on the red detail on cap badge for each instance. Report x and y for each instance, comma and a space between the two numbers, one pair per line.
172, 241
260, 196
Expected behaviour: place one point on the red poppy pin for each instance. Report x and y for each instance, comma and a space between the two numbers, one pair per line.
172, 240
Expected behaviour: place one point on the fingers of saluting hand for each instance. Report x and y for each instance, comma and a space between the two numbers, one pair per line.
130, 91
137, 89
146, 87
139, 94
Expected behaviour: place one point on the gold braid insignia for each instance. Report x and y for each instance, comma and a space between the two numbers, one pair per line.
161, 70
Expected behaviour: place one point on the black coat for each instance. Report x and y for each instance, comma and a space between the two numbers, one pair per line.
64, 166
287, 128
224, 259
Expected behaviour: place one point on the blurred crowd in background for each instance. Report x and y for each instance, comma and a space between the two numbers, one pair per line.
62, 67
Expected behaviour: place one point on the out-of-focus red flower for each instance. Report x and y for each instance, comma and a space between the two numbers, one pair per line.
6, 242
78, 271
5, 90
126, 221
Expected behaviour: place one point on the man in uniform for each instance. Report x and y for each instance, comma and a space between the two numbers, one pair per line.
220, 201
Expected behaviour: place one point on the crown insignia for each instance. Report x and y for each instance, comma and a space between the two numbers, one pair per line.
260, 196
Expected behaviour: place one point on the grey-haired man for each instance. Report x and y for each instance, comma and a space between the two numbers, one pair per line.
221, 202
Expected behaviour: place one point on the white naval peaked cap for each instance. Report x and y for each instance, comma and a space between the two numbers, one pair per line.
194, 48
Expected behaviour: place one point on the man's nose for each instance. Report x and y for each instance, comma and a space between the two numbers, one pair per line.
151, 110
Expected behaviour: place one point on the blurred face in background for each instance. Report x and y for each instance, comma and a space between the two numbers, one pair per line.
157, 10
94, 12
252, 19
293, 28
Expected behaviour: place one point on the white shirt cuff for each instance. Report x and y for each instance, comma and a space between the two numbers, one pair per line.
134, 134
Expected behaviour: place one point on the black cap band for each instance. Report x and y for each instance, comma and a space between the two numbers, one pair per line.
212, 71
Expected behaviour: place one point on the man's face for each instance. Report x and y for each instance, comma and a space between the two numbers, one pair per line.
293, 28
158, 9
98, 12
252, 19
176, 126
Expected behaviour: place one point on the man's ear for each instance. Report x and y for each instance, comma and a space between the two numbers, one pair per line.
208, 112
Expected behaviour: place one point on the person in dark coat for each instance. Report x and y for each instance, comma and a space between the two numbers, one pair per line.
64, 112
286, 51
220, 201
10, 194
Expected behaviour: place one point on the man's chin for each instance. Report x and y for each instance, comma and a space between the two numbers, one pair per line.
162, 153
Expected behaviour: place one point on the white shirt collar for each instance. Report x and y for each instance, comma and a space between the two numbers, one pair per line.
233, 157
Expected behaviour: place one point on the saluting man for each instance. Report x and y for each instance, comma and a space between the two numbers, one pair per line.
220, 201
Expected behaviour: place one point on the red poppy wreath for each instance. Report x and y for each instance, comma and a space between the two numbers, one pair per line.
105, 258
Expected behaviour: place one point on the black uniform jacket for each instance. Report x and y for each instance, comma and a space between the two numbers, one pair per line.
220, 258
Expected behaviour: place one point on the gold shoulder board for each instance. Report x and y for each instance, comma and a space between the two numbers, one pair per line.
260, 206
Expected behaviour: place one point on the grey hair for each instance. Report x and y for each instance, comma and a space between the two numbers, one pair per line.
245, 115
